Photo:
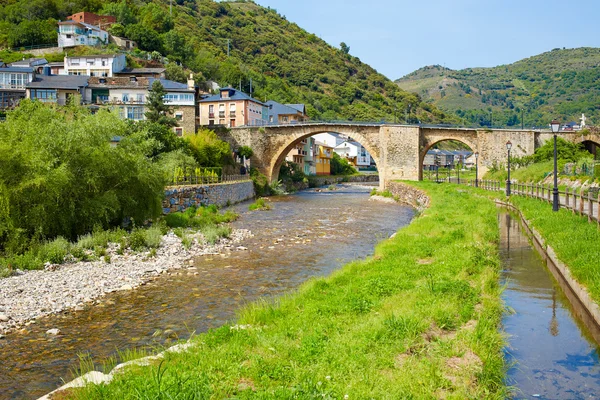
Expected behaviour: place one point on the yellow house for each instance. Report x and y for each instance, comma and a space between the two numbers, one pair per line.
323, 156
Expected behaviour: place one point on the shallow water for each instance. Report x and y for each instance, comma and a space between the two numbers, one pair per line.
305, 235
555, 355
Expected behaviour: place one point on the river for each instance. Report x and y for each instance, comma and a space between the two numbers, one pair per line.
554, 355
305, 235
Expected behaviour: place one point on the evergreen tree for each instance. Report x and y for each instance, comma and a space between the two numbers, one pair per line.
158, 111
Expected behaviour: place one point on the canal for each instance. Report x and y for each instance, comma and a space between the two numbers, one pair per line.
305, 235
552, 344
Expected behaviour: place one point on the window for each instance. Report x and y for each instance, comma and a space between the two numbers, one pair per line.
179, 116
211, 122
221, 110
75, 61
232, 123
179, 131
135, 113
44, 95
221, 122
122, 112
139, 98
125, 97
77, 72
232, 110
211, 111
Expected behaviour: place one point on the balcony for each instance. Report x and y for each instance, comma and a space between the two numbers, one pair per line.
232, 114
221, 114
211, 115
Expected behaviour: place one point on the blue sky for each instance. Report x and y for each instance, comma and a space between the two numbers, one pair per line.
398, 37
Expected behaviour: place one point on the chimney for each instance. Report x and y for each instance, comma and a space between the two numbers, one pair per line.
191, 83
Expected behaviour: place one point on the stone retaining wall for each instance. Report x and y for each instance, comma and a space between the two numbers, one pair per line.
181, 198
409, 195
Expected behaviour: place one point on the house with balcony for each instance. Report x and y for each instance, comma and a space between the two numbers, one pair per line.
58, 89
231, 108
72, 33
13, 84
281, 114
355, 153
323, 156
129, 95
106, 65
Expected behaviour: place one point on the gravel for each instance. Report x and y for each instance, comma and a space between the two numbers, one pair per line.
28, 295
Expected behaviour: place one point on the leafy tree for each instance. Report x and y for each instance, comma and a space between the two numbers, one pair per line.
345, 48
175, 72
245, 151
59, 175
158, 111
567, 151
117, 30
208, 149
146, 38
123, 11
341, 166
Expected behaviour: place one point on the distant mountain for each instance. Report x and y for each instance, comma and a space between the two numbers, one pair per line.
562, 84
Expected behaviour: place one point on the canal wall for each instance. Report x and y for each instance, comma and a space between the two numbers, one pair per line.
409, 195
577, 294
180, 198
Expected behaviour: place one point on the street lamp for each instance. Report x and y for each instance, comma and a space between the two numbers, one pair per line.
458, 170
437, 167
555, 125
508, 147
476, 169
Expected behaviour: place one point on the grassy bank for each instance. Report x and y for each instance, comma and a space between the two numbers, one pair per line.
419, 319
94, 246
575, 240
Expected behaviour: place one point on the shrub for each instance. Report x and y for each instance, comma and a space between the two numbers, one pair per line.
153, 237
259, 204
137, 239
54, 251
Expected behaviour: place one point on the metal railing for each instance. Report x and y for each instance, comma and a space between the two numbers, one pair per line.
584, 202
193, 179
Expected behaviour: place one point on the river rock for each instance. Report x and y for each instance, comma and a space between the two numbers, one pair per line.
53, 331
126, 287
4, 317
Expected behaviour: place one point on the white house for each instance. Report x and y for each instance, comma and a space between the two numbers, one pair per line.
330, 139
355, 153
72, 33
101, 65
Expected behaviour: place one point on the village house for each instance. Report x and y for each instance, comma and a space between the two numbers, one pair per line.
231, 108
90, 18
355, 153
71, 34
95, 65
13, 84
57, 88
286, 113
303, 155
323, 156
130, 94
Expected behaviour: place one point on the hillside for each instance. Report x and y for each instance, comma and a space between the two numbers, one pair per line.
284, 62
559, 84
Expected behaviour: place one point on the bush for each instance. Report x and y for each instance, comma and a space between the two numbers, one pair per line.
259, 204
261, 184
54, 251
137, 239
341, 166
153, 237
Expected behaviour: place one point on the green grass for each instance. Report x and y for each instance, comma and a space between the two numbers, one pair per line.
575, 240
384, 327
533, 173
259, 204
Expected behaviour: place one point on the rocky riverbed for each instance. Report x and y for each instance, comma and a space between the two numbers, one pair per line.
28, 295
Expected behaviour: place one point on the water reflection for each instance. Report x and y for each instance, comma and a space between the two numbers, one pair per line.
555, 356
305, 235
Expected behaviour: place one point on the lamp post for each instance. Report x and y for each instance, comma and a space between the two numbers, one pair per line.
555, 200
508, 147
458, 170
476, 169
437, 167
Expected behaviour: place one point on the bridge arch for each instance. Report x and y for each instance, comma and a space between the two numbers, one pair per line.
291, 140
432, 138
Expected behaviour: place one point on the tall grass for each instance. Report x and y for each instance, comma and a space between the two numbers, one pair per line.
381, 328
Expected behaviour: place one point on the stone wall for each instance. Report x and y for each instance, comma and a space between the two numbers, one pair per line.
182, 197
409, 195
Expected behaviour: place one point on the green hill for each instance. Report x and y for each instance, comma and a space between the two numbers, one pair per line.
284, 62
559, 84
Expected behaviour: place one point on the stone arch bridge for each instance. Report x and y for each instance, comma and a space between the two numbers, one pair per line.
398, 150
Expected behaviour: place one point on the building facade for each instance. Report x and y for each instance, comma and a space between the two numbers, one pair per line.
99, 65
71, 34
93, 19
323, 156
355, 153
231, 108
286, 113
13, 85
58, 89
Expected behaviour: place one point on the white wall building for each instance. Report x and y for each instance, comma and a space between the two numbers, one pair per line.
355, 153
71, 34
101, 65
330, 138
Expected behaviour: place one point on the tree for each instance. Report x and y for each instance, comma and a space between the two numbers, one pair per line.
208, 149
158, 111
345, 48
341, 166
146, 38
175, 72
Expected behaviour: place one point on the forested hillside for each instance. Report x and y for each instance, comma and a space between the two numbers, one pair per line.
284, 62
559, 84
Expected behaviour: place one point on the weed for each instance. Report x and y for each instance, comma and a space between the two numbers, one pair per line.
153, 237
259, 204
137, 239
54, 251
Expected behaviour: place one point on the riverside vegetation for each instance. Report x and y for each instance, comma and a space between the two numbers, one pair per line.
418, 319
61, 180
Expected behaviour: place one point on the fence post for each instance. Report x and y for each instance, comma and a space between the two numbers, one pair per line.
590, 207
598, 210
581, 201
567, 198
549, 194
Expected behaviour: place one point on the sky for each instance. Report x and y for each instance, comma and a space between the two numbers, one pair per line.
398, 37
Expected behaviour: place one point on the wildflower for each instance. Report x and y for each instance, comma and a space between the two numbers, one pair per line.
328, 377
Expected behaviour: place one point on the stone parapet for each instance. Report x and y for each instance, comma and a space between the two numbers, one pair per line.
180, 198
